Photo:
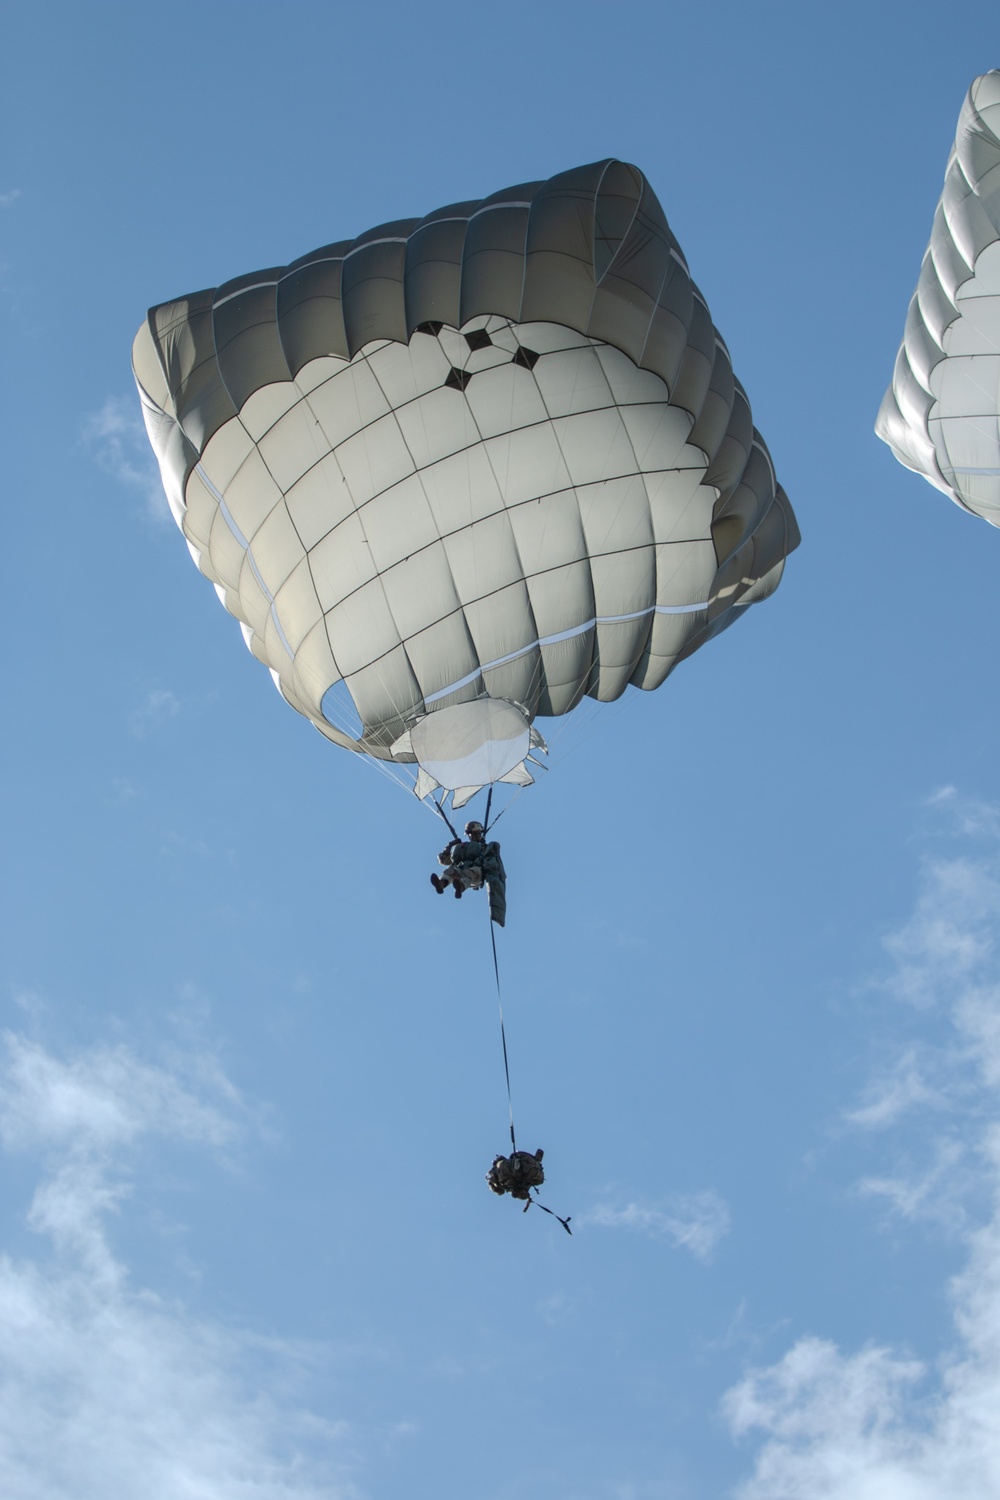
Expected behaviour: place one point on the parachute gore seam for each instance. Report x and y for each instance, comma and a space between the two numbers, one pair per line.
489, 208
230, 521
242, 291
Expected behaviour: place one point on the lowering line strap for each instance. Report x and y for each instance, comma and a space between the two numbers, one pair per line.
563, 1222
503, 1036
510, 1102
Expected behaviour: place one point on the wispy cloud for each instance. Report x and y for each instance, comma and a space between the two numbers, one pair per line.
968, 816
879, 1424
116, 436
105, 1388
159, 705
695, 1222
900, 1088
11, 196
556, 1308
950, 936
934, 1189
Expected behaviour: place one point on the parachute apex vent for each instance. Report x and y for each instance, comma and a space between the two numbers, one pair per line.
470, 745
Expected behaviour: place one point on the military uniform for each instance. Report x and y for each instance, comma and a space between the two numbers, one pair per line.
469, 864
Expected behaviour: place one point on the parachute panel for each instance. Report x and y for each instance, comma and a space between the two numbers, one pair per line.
494, 455
941, 414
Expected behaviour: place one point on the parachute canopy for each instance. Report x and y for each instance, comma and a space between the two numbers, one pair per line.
467, 469
941, 415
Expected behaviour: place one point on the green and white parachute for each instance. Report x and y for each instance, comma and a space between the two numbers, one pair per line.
941, 414
467, 470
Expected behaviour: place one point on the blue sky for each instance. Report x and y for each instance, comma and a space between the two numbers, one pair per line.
251, 1071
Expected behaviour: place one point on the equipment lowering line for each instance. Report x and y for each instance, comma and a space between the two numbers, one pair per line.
510, 1102
503, 1037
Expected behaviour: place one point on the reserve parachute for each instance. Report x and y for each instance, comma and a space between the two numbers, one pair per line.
465, 471
941, 414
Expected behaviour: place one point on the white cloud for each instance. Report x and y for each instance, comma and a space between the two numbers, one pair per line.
102, 1099
977, 1022
6, 199
695, 1222
879, 1424
104, 1393
116, 435
874, 1425
105, 1388
832, 1425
